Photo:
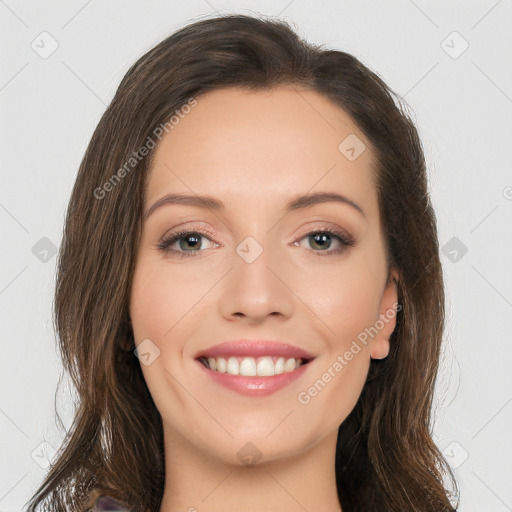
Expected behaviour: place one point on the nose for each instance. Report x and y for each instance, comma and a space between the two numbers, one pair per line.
256, 288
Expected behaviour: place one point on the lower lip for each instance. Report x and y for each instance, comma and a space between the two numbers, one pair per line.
255, 386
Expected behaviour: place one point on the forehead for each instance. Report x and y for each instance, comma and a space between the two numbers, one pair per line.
264, 145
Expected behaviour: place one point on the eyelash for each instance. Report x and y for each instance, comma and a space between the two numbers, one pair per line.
345, 240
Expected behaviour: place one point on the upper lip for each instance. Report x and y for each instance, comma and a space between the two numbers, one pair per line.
255, 348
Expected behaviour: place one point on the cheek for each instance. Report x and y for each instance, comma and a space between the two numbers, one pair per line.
158, 309
346, 300
159, 300
348, 304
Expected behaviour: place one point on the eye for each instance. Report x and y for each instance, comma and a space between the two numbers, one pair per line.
188, 242
321, 240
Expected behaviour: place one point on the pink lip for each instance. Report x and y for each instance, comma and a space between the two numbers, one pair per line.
255, 348
254, 386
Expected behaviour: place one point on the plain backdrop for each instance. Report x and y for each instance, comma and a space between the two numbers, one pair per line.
61, 64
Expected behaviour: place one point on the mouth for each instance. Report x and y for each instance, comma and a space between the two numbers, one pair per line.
254, 368
265, 366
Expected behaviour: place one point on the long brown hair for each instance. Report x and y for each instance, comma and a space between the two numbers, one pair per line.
386, 459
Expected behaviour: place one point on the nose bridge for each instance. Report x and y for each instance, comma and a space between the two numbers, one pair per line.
254, 265
255, 288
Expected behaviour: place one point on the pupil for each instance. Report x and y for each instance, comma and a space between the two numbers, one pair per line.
187, 239
322, 238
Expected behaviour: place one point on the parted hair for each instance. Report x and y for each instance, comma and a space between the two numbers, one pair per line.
386, 459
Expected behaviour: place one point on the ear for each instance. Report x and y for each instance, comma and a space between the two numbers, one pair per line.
386, 322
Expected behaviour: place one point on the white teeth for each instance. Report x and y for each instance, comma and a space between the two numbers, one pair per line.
249, 366
289, 366
221, 365
265, 367
233, 366
279, 366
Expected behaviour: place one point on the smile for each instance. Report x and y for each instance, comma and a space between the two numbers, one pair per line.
244, 374
266, 366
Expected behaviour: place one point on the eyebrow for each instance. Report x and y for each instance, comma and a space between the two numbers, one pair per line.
300, 202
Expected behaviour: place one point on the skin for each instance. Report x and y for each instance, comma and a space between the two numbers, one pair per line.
255, 151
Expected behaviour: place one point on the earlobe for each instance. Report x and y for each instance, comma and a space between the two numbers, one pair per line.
381, 351
386, 322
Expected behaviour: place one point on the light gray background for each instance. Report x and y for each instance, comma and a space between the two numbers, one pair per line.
462, 102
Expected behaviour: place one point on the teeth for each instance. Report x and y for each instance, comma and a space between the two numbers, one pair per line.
220, 365
233, 366
289, 366
279, 366
249, 366
265, 367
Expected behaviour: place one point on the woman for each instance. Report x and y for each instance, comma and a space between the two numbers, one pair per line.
250, 298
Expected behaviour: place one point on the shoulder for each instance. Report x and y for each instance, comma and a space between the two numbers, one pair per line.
108, 504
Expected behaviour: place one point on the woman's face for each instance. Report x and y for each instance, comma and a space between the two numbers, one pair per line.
256, 269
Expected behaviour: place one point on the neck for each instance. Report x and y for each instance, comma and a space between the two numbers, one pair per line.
197, 481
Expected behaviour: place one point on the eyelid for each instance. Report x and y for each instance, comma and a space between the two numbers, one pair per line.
334, 229
329, 226
170, 237
194, 228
